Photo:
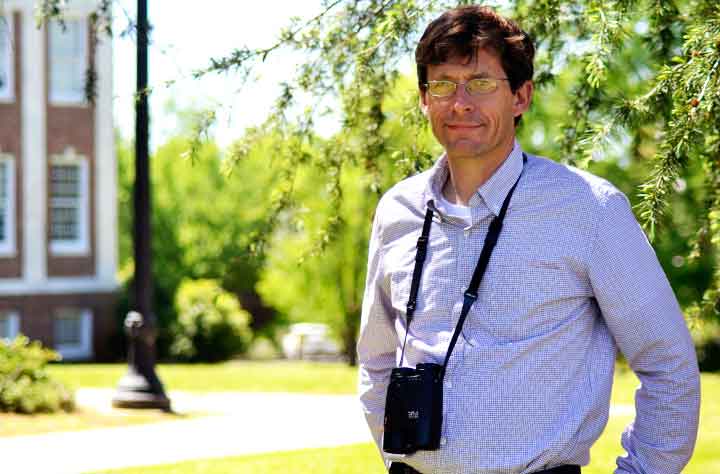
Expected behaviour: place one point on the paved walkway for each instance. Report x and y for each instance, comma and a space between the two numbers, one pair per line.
239, 423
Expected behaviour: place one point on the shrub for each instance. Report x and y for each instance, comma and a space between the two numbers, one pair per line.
25, 385
211, 324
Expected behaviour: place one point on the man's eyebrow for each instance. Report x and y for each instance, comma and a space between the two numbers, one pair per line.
477, 75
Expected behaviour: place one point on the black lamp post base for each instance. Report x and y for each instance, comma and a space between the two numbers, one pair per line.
135, 391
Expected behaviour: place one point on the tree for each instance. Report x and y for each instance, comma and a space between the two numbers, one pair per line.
636, 76
204, 216
327, 287
646, 81
316, 272
629, 169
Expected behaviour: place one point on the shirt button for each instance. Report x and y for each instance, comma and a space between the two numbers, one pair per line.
443, 441
466, 232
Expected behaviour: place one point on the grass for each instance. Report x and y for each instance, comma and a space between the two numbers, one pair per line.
364, 458
705, 458
12, 424
245, 376
248, 376
352, 459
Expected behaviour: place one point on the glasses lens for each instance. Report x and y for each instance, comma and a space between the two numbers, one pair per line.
481, 86
441, 88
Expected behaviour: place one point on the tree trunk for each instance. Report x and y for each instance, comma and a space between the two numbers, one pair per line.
262, 315
349, 336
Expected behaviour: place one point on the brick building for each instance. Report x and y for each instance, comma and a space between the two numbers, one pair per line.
58, 183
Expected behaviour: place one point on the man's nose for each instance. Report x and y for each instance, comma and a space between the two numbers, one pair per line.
462, 101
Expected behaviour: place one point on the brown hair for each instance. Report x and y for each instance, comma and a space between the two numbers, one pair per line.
462, 31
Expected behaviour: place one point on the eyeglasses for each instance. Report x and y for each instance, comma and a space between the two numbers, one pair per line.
479, 86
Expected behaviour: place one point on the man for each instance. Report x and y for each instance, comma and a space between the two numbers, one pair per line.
571, 279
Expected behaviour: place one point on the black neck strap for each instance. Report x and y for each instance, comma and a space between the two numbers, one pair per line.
419, 261
471, 294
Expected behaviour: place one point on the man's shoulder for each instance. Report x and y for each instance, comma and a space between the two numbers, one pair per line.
569, 181
409, 193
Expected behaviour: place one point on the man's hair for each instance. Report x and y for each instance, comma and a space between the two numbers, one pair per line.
463, 31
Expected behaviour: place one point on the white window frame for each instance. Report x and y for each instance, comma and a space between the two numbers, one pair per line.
56, 97
7, 245
8, 94
81, 246
14, 325
83, 350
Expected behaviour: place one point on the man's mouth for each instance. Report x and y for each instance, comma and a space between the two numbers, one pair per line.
462, 126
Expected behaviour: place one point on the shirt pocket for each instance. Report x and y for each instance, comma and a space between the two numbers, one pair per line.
526, 299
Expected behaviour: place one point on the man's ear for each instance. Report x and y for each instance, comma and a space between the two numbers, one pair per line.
523, 98
423, 102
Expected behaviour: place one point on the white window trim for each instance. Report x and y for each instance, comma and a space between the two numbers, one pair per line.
81, 246
66, 99
9, 94
14, 319
84, 349
7, 245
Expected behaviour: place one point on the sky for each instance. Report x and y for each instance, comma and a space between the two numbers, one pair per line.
185, 34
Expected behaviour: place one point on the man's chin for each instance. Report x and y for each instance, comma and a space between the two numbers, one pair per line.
468, 151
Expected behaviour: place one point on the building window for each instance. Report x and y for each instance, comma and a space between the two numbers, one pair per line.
7, 205
6, 58
69, 205
68, 60
73, 333
9, 325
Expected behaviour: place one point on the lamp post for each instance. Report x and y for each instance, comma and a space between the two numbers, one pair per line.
141, 387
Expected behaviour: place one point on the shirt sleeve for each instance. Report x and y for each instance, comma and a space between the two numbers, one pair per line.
640, 309
377, 339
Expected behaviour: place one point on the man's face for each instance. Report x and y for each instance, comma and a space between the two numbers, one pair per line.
472, 127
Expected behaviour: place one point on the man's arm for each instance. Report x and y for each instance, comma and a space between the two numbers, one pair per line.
641, 311
377, 338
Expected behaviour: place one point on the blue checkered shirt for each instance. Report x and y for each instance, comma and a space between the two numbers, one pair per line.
571, 279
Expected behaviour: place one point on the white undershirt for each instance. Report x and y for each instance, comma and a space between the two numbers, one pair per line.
455, 210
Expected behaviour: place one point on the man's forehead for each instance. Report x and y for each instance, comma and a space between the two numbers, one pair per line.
483, 62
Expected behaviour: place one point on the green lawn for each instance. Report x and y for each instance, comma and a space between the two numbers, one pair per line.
252, 376
245, 376
353, 459
706, 458
363, 458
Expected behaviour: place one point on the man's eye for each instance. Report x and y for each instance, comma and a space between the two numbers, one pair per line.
442, 88
478, 86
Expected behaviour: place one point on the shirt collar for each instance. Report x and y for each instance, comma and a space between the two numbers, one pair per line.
493, 192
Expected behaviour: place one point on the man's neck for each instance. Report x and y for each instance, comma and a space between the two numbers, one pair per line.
468, 174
